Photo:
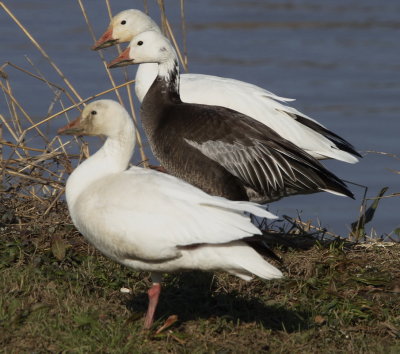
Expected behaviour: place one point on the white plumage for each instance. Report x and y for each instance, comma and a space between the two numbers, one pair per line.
152, 221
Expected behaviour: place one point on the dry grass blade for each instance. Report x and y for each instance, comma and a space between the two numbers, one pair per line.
25, 114
43, 79
12, 108
40, 180
383, 153
90, 27
358, 227
41, 50
167, 30
161, 5
184, 33
171, 35
76, 105
146, 7
1, 142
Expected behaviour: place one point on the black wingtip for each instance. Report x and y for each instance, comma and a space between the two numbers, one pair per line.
259, 244
335, 185
342, 144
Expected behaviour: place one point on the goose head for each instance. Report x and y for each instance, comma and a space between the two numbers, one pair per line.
147, 47
99, 118
124, 27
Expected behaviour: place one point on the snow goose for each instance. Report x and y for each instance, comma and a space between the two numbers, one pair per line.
219, 150
151, 221
240, 96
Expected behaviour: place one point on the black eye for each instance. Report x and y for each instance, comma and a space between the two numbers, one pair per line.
93, 113
140, 43
123, 22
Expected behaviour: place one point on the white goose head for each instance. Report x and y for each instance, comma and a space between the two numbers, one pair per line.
152, 47
147, 47
124, 27
101, 118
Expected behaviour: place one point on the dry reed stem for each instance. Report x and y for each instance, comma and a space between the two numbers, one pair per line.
3, 75
90, 27
57, 93
13, 110
383, 153
35, 196
13, 151
41, 50
167, 30
33, 161
161, 5
24, 113
109, 11
184, 34
58, 196
1, 142
146, 7
47, 119
297, 221
40, 180
6, 143
397, 194
30, 165
10, 130
171, 35
131, 105
43, 79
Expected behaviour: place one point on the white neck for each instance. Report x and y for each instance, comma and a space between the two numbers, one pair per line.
113, 157
145, 76
147, 73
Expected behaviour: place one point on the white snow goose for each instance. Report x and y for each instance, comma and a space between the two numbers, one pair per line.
151, 221
221, 151
240, 96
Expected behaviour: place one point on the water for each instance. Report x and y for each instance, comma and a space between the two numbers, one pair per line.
340, 60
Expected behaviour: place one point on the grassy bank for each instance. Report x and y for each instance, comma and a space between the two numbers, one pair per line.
59, 295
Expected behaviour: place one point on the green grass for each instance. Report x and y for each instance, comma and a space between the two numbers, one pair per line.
59, 295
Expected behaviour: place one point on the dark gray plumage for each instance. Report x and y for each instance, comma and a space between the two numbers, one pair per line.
227, 153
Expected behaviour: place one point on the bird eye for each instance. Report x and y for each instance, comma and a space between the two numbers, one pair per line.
123, 22
140, 43
93, 113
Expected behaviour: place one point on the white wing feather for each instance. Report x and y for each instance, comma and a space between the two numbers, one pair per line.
143, 223
253, 101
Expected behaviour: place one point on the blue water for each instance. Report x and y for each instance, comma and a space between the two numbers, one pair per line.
339, 59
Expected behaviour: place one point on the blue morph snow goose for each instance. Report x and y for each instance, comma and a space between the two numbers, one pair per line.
219, 150
151, 221
253, 101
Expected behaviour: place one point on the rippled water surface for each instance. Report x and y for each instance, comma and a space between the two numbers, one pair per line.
339, 59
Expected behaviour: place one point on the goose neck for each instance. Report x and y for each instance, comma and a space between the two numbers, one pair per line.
168, 76
113, 157
145, 76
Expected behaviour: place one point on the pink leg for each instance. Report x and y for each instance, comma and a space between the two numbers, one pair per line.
154, 294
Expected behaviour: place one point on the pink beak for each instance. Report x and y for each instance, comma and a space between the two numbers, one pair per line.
72, 128
122, 60
106, 40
